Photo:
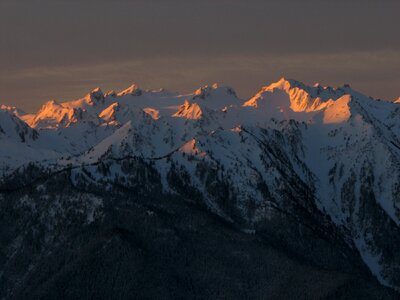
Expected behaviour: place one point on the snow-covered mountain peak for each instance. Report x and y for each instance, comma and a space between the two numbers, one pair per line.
118, 113
317, 85
96, 90
49, 105
96, 94
292, 86
287, 96
111, 93
49, 108
15, 129
109, 114
91, 99
294, 101
54, 115
284, 84
152, 112
132, 90
14, 110
203, 92
216, 97
338, 111
189, 111
335, 149
214, 90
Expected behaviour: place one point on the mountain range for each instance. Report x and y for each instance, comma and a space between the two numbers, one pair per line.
292, 193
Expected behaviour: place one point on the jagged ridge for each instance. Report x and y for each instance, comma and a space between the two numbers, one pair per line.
334, 149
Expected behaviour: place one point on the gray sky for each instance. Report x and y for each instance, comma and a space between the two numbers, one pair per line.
62, 49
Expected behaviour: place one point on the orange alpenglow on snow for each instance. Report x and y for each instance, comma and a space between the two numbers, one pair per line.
189, 111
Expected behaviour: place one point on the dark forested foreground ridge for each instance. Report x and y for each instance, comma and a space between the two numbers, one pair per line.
292, 194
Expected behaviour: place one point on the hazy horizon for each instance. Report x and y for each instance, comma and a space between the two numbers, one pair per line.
63, 49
